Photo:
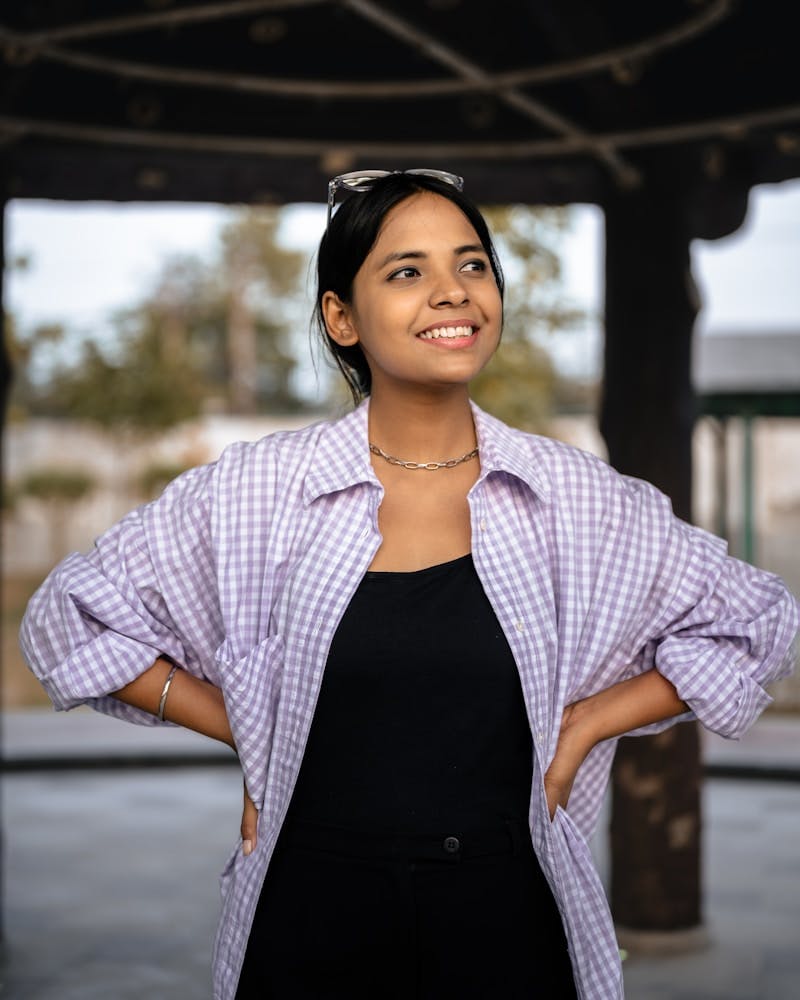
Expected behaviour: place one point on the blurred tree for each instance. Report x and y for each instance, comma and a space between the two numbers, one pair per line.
259, 277
140, 391
58, 489
19, 263
136, 382
215, 333
154, 478
25, 350
521, 384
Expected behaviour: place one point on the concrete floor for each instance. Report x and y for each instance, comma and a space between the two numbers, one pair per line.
110, 887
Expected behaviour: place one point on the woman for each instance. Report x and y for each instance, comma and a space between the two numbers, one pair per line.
489, 609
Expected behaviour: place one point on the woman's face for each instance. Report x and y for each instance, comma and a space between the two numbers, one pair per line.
425, 306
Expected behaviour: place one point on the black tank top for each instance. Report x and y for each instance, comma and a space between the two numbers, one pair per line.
420, 723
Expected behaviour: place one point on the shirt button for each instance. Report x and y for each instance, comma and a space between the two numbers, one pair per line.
483, 524
451, 845
519, 626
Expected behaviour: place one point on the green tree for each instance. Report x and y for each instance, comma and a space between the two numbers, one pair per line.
26, 349
139, 391
260, 281
58, 489
154, 478
230, 321
207, 333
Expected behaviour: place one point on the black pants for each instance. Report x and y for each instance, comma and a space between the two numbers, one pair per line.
351, 917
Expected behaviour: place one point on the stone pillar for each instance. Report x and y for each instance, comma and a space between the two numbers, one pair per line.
647, 417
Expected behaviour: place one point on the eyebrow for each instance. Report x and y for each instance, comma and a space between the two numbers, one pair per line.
421, 255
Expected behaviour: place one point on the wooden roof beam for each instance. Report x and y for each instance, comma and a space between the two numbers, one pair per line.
40, 45
175, 17
624, 173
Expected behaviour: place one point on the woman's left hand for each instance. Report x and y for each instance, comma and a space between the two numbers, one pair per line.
571, 751
639, 701
249, 828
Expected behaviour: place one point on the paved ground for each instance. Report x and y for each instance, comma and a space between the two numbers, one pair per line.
110, 875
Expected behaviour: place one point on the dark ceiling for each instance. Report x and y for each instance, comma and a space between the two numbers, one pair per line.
540, 101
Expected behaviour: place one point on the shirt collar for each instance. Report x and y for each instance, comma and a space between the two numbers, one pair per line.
341, 455
508, 450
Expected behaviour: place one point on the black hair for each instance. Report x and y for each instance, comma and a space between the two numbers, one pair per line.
348, 240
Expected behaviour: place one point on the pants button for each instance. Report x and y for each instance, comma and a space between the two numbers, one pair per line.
451, 845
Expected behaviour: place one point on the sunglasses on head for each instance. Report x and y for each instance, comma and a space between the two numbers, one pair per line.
358, 181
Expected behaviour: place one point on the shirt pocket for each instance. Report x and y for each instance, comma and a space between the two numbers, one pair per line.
251, 687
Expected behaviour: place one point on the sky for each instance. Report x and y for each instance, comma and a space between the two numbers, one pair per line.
88, 259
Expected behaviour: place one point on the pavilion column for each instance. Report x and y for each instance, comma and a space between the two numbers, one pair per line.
5, 383
647, 417
5, 360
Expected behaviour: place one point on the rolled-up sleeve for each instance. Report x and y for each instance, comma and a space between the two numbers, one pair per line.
719, 629
665, 595
147, 589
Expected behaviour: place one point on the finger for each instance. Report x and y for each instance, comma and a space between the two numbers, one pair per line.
556, 794
557, 797
552, 802
249, 826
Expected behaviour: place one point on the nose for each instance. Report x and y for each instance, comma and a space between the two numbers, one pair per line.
448, 290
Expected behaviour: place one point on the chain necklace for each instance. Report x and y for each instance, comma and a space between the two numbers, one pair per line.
451, 463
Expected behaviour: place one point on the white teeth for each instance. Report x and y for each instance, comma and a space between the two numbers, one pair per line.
449, 332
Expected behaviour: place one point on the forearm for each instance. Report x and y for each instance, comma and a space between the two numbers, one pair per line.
639, 701
191, 702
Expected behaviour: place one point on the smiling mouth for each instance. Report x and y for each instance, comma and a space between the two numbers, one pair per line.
447, 332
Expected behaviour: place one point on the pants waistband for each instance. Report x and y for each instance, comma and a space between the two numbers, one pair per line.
512, 837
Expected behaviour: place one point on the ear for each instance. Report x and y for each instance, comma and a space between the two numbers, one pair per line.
338, 320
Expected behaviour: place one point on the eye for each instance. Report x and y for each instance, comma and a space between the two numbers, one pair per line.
404, 272
473, 265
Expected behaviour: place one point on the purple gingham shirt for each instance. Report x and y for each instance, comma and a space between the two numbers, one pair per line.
242, 571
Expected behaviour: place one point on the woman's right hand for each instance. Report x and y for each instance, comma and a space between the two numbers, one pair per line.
249, 824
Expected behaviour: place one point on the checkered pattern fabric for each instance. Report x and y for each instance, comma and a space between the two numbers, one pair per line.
242, 570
